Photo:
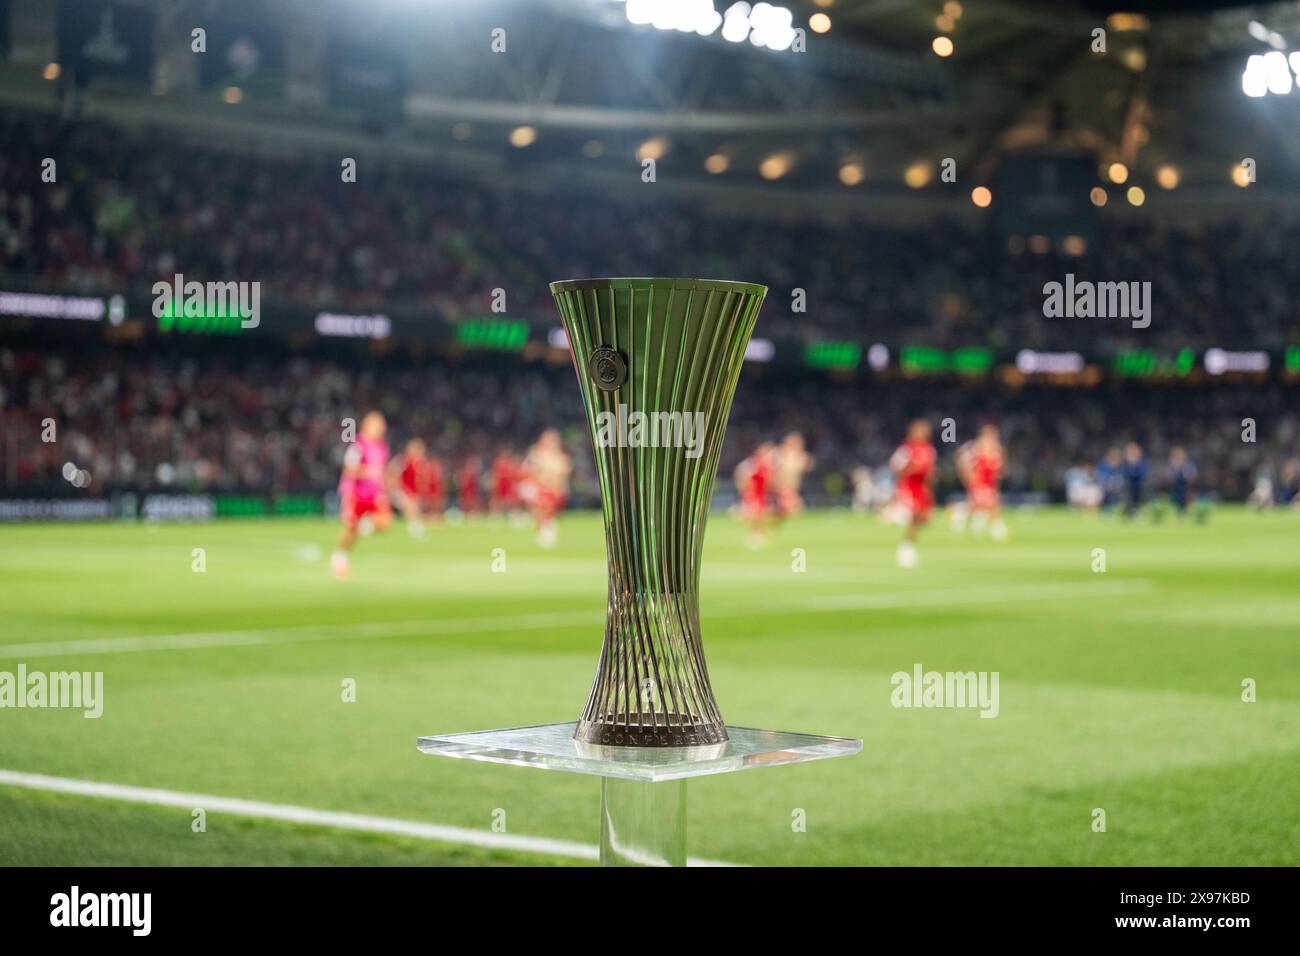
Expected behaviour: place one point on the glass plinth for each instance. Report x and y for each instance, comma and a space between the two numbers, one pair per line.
552, 747
643, 789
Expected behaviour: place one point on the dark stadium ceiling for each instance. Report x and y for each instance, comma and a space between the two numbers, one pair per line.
871, 93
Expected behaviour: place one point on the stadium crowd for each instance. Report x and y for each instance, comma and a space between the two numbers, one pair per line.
212, 420
132, 206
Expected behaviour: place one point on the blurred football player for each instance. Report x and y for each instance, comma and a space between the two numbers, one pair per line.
547, 468
1182, 476
1262, 496
1135, 479
979, 463
753, 478
864, 489
913, 463
363, 501
790, 463
505, 483
468, 486
1110, 475
1082, 489
419, 486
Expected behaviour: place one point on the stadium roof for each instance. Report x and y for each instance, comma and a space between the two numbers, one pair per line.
864, 103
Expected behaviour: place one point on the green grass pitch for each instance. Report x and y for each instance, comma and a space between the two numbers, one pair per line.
1119, 690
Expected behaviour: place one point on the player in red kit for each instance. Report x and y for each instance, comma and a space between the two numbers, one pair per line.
979, 466
982, 467
468, 492
913, 463
362, 494
753, 482
505, 483
434, 490
419, 486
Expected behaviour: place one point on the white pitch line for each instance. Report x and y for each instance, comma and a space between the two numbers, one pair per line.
293, 634
324, 818
428, 626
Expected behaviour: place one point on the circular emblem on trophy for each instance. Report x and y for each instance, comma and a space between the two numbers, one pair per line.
608, 368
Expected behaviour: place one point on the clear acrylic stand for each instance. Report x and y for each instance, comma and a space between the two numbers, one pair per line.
642, 789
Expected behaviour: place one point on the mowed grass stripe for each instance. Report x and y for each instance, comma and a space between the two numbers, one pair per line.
333, 632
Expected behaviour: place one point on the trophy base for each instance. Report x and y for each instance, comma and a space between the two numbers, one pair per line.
642, 789
675, 732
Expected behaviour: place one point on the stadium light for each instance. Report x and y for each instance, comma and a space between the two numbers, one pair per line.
918, 175
772, 27
981, 196
1277, 72
735, 23
942, 46
522, 136
684, 16
1269, 73
763, 24
852, 173
51, 71
1253, 80
653, 148
717, 163
1167, 176
1118, 173
775, 166
1136, 195
820, 23
1098, 196
1127, 22
639, 12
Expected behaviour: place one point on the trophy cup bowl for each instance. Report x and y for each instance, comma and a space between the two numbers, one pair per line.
657, 361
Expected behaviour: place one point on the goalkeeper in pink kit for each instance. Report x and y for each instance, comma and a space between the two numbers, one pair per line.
362, 492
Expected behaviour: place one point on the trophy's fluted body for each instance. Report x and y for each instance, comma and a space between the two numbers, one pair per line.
658, 361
